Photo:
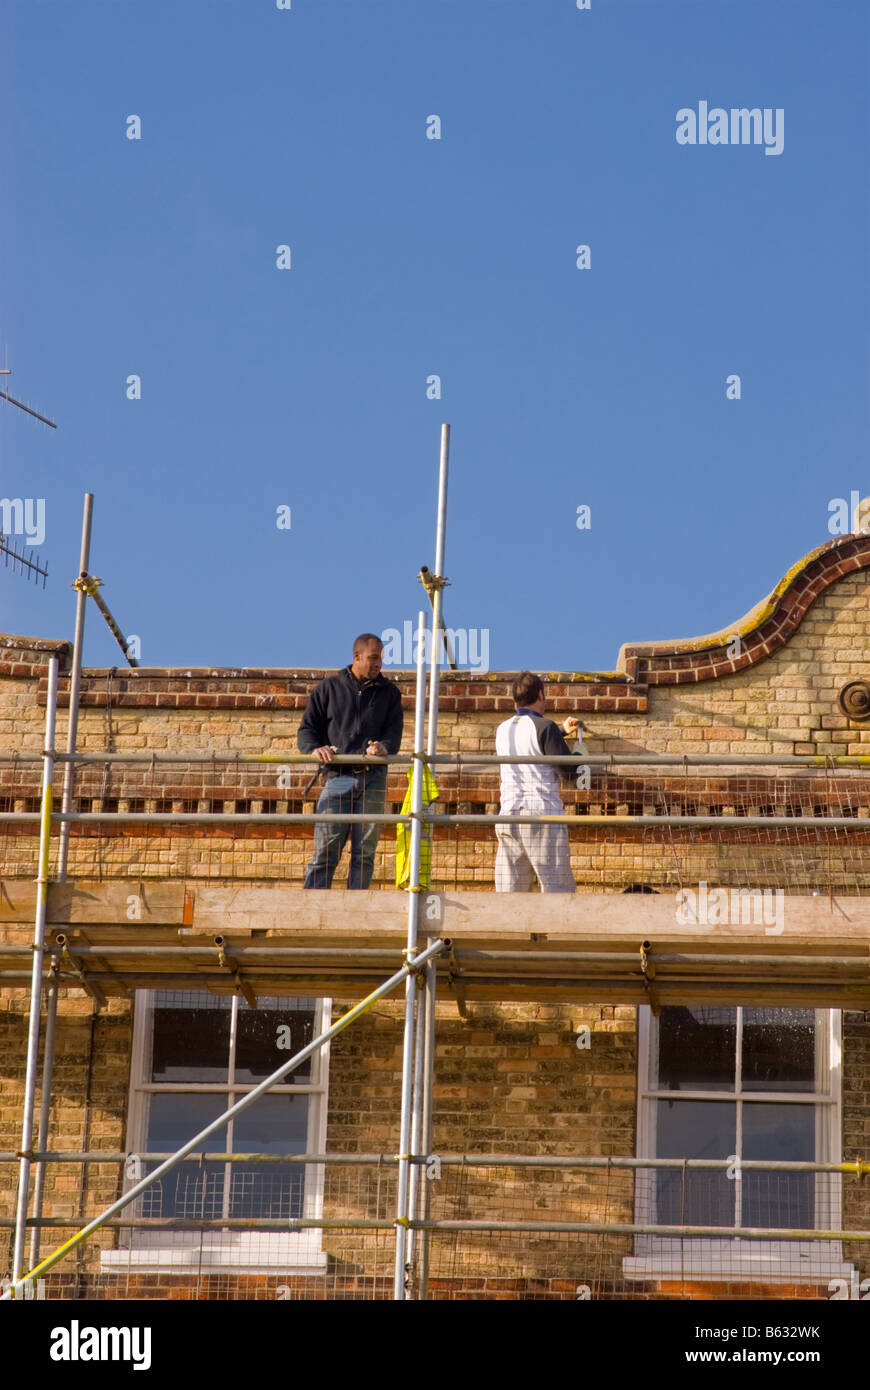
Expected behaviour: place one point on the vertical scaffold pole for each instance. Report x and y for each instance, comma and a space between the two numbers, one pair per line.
36, 977
411, 983
422, 1190
424, 1204
45, 1108
75, 684
416, 1130
440, 538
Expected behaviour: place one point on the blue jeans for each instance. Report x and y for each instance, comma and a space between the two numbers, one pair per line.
348, 794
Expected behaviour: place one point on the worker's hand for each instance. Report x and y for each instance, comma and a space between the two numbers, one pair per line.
324, 754
376, 750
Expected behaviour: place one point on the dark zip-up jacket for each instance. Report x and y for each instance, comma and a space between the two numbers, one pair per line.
350, 715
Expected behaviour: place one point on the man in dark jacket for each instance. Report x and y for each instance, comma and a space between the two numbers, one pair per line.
356, 711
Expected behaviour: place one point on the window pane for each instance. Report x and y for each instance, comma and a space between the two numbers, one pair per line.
191, 1036
779, 1132
779, 1048
270, 1034
695, 1129
274, 1125
697, 1049
191, 1189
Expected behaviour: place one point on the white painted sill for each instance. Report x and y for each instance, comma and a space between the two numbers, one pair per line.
775, 1262
248, 1253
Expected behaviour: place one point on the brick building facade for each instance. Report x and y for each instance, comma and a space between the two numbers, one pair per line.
510, 1077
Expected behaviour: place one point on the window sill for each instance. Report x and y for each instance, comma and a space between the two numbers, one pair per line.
248, 1253
774, 1262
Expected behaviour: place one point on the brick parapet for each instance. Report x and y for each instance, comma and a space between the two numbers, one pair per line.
153, 687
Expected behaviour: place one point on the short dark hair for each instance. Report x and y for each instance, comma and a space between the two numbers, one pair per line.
363, 641
526, 689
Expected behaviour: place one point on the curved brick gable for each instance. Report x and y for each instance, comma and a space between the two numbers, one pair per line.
766, 628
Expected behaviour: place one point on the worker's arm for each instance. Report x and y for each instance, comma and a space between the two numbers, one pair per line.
313, 733
553, 745
391, 734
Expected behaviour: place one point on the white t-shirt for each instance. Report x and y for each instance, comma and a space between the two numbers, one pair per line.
526, 787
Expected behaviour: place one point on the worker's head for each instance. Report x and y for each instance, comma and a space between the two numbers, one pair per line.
368, 656
528, 691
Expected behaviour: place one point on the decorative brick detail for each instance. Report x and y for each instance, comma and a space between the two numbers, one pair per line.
166, 687
770, 626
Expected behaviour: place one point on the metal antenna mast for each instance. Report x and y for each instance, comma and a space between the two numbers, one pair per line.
9, 549
25, 563
7, 371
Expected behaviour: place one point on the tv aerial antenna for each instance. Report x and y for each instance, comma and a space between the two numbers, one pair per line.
24, 563
7, 371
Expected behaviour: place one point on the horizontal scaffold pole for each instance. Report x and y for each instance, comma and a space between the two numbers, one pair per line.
439, 819
858, 1168
461, 761
593, 1228
302, 1223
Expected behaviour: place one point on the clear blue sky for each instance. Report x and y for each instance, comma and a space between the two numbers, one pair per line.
307, 387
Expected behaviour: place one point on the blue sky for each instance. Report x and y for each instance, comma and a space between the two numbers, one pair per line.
307, 387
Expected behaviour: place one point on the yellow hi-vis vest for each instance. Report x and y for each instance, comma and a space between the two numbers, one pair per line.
403, 834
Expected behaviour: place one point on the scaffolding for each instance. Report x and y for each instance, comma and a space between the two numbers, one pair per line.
821, 962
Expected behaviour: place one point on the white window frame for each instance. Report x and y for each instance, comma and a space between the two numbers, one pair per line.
217, 1251
772, 1261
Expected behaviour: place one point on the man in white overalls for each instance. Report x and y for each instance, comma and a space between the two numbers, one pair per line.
529, 852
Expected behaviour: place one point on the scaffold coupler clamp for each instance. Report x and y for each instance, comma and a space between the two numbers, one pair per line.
87, 584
